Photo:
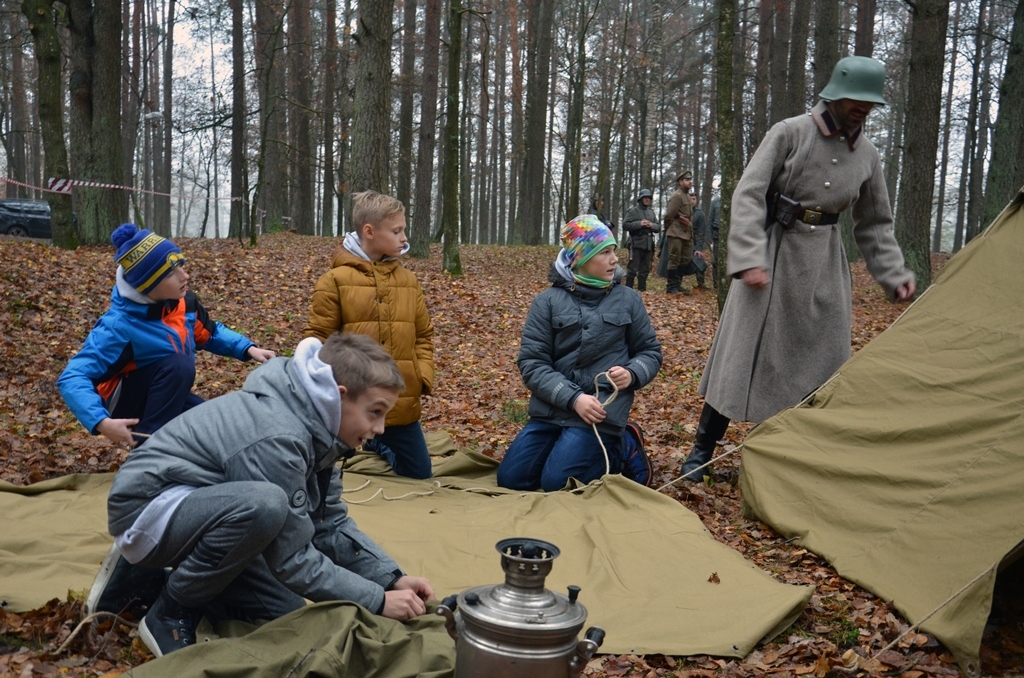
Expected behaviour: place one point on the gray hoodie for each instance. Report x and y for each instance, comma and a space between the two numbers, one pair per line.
269, 431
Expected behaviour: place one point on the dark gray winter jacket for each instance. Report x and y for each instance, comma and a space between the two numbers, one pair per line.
269, 432
574, 332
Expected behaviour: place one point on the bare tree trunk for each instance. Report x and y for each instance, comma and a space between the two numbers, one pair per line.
574, 122
797, 90
272, 185
163, 202
762, 71
971, 137
95, 81
946, 129
465, 141
780, 54
407, 86
330, 77
924, 105
371, 128
513, 230
864, 42
726, 145
299, 79
538, 67
51, 118
483, 121
239, 194
1006, 170
976, 199
420, 242
826, 42
451, 262
15, 142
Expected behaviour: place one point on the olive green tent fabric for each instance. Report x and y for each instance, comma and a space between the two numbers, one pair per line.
904, 470
643, 560
328, 639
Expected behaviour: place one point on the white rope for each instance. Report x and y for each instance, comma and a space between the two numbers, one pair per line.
702, 466
611, 399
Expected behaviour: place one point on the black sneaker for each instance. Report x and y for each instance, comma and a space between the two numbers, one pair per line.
169, 626
637, 466
121, 587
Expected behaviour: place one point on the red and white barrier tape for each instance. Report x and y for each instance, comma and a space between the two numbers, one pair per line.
64, 186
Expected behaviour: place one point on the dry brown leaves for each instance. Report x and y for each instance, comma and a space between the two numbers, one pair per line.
50, 298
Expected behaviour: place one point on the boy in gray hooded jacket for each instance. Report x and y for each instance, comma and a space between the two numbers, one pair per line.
242, 497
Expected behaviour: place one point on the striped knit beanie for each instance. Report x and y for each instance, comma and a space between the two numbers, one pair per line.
583, 237
145, 257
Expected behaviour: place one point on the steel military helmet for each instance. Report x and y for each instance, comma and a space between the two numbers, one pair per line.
856, 77
644, 194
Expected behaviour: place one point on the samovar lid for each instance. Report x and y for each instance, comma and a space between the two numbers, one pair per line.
522, 605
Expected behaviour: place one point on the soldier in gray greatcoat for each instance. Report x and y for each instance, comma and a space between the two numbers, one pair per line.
641, 223
786, 328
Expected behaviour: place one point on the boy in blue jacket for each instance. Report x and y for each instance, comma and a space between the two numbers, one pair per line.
585, 327
136, 369
241, 496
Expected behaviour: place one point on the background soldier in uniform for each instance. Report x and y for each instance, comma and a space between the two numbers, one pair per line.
641, 223
678, 233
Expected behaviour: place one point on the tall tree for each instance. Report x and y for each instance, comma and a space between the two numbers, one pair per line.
239, 188
406, 86
538, 66
300, 115
272, 185
371, 121
946, 133
924, 102
780, 54
826, 42
864, 42
797, 91
330, 76
420, 242
42, 20
1006, 170
451, 212
95, 110
726, 147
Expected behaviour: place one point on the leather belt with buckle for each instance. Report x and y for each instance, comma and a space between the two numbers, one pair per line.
819, 218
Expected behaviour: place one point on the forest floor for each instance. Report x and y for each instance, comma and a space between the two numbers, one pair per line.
49, 299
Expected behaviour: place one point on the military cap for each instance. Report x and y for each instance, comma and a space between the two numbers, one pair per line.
685, 174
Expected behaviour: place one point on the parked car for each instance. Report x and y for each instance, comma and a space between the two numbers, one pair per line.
25, 218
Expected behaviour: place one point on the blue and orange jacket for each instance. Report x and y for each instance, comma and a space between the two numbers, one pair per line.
131, 335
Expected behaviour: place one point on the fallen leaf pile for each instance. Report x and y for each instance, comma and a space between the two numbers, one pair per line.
50, 298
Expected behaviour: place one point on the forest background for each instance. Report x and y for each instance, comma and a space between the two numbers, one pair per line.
494, 121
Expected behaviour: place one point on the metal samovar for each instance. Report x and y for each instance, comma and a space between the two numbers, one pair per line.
519, 628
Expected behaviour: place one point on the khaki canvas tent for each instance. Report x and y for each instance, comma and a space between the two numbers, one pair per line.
906, 469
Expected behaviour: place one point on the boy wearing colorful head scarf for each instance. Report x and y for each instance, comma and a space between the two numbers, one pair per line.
137, 366
586, 338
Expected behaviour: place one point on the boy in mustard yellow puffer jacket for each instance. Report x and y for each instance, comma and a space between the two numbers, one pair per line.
368, 291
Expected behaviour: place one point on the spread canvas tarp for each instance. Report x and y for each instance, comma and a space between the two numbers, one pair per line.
643, 560
904, 470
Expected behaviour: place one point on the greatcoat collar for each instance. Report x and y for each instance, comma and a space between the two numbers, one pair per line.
829, 126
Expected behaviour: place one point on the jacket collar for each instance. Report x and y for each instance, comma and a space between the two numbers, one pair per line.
829, 126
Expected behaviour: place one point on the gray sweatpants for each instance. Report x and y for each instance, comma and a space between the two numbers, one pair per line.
215, 541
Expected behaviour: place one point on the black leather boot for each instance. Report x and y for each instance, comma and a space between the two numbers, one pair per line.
641, 283
629, 280
711, 427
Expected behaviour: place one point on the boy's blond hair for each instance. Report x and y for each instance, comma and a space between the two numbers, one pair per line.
360, 363
371, 207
